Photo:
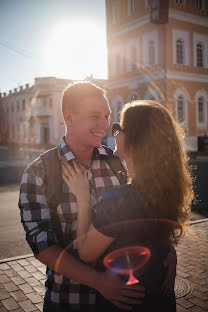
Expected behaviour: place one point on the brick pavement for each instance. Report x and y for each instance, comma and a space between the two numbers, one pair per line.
22, 278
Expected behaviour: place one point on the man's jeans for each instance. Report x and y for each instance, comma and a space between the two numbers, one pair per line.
49, 306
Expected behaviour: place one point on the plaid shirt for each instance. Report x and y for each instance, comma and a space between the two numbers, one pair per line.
35, 216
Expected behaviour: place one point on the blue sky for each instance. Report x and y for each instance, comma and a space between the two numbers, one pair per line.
62, 38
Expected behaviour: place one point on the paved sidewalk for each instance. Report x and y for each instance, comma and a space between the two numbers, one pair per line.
22, 278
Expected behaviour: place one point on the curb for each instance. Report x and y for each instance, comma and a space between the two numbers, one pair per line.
16, 258
32, 255
198, 221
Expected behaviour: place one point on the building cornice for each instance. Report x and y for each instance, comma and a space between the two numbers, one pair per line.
173, 13
133, 82
188, 17
125, 28
172, 74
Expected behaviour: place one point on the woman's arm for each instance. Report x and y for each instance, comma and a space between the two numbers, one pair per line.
90, 244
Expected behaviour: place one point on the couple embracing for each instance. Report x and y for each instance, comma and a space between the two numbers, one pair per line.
97, 212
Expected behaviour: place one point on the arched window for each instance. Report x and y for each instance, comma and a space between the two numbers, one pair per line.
179, 51
199, 54
180, 109
151, 52
201, 110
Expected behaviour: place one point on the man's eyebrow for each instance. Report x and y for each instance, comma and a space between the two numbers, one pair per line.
99, 113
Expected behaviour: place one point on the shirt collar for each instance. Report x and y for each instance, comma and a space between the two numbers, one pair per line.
65, 153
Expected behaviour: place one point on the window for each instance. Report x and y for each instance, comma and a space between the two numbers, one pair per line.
17, 106
12, 108
151, 52
133, 96
201, 110
180, 109
199, 54
50, 102
180, 1
23, 105
118, 109
117, 104
200, 4
131, 7
133, 58
179, 51
147, 4
118, 63
116, 12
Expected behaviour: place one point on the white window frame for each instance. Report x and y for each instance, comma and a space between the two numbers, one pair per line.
182, 47
181, 97
202, 39
116, 12
131, 7
115, 50
117, 103
146, 38
201, 94
181, 2
134, 42
202, 51
197, 2
147, 5
185, 36
184, 93
151, 45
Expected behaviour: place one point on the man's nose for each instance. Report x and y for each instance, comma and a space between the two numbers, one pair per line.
104, 123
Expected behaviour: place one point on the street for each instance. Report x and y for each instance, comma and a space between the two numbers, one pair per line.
12, 234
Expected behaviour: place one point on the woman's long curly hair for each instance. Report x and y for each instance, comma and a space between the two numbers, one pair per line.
155, 143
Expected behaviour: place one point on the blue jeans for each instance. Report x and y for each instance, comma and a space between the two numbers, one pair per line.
49, 306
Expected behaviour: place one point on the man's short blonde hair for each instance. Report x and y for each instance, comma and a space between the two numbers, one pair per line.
76, 93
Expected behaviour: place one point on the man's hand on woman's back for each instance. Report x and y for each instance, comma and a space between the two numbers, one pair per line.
116, 291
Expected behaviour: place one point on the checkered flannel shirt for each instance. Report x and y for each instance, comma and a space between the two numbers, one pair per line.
36, 219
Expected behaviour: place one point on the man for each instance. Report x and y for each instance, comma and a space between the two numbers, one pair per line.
71, 285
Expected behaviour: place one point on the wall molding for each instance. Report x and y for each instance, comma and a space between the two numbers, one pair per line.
188, 17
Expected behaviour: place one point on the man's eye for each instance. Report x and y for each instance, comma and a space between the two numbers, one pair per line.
94, 116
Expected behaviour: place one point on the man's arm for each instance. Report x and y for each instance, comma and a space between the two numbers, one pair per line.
35, 216
110, 286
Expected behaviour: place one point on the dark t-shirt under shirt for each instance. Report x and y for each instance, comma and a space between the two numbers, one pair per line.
121, 214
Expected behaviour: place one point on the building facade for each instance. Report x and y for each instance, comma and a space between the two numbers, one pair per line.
32, 116
165, 62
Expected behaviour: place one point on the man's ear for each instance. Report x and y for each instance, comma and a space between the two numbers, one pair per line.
68, 117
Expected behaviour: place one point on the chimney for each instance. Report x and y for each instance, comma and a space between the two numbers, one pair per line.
27, 85
15, 90
10, 91
21, 88
4, 94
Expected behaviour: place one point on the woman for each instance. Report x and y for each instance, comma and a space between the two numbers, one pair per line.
151, 210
